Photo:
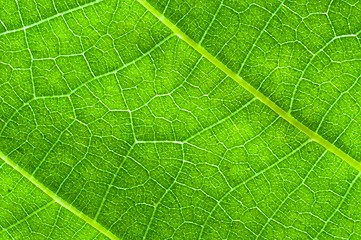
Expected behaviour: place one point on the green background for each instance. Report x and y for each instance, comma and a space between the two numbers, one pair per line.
124, 121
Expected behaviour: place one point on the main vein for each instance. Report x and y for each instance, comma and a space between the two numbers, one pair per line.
58, 199
260, 96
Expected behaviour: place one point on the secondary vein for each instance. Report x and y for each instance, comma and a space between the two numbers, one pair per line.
260, 96
58, 199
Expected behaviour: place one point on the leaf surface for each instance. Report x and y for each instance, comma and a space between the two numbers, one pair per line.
180, 119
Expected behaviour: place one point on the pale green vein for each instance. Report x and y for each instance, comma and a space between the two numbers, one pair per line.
58, 199
260, 96
155, 207
233, 189
337, 209
50, 18
6, 229
112, 181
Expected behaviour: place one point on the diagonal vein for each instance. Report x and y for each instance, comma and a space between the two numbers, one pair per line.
58, 199
6, 229
51, 17
260, 96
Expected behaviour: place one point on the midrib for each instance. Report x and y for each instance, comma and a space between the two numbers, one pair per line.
260, 96
58, 199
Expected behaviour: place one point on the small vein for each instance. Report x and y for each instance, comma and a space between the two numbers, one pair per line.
169, 189
50, 18
337, 209
259, 36
6, 229
233, 189
259, 95
113, 180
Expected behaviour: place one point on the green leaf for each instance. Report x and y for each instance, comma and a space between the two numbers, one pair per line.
180, 119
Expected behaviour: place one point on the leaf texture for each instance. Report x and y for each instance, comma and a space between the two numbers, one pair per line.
180, 119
